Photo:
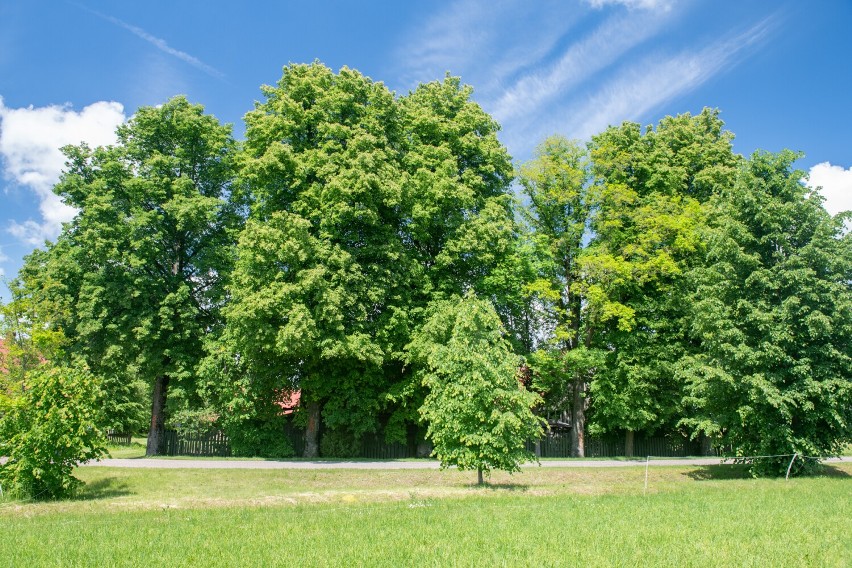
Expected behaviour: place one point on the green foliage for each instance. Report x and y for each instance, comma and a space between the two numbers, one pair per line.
134, 282
319, 265
264, 437
772, 310
339, 444
555, 371
51, 427
479, 415
363, 208
649, 190
559, 213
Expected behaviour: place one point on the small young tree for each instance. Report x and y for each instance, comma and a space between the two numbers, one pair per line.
479, 415
50, 428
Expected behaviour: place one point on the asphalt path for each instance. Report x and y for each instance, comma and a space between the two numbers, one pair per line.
392, 464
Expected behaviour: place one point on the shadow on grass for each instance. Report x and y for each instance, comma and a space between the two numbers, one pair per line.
830, 470
519, 487
102, 489
741, 471
716, 472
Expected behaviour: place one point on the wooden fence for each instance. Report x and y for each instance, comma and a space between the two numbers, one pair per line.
374, 446
558, 445
118, 439
214, 444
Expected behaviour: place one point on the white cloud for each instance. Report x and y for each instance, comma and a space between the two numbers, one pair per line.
539, 69
160, 44
30, 139
836, 184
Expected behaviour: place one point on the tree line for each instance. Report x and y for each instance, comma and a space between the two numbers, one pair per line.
382, 256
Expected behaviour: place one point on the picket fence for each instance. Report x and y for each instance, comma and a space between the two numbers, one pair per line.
558, 445
117, 438
374, 446
212, 444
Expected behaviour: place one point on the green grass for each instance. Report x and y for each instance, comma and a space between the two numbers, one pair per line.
691, 516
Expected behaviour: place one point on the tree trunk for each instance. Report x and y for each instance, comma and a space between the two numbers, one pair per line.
628, 444
479, 479
578, 420
706, 445
158, 416
312, 430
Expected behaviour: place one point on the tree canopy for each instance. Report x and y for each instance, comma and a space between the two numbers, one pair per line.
367, 251
135, 279
772, 311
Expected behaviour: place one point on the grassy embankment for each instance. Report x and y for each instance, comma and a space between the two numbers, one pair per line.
691, 516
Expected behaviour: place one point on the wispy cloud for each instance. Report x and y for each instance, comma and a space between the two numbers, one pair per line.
159, 43
570, 67
633, 4
509, 35
644, 86
582, 59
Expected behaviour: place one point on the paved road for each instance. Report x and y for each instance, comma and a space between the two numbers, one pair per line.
343, 464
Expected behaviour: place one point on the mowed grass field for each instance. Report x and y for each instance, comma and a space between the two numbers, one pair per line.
690, 516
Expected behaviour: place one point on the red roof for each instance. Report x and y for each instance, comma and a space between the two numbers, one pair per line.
289, 401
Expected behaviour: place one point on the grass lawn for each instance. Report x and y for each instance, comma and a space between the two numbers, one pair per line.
136, 449
690, 516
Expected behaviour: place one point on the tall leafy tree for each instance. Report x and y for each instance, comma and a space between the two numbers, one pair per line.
479, 414
615, 229
135, 280
772, 310
559, 212
458, 228
649, 193
321, 271
365, 208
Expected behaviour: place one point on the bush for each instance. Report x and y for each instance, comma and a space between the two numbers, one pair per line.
50, 428
260, 438
339, 444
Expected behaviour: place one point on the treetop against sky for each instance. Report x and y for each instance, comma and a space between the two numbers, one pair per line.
778, 70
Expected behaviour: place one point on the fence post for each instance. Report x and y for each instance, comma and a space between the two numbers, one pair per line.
789, 467
647, 463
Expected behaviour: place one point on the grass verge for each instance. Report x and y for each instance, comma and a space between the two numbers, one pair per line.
691, 516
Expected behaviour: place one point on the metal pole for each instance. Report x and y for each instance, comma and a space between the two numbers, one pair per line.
789, 467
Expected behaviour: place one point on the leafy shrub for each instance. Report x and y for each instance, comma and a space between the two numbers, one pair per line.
260, 438
339, 444
50, 428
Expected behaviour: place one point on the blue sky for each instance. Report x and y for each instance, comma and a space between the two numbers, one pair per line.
780, 71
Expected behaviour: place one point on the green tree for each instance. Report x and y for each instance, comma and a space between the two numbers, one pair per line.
559, 212
479, 414
316, 293
134, 282
364, 209
650, 189
48, 428
772, 310
458, 227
